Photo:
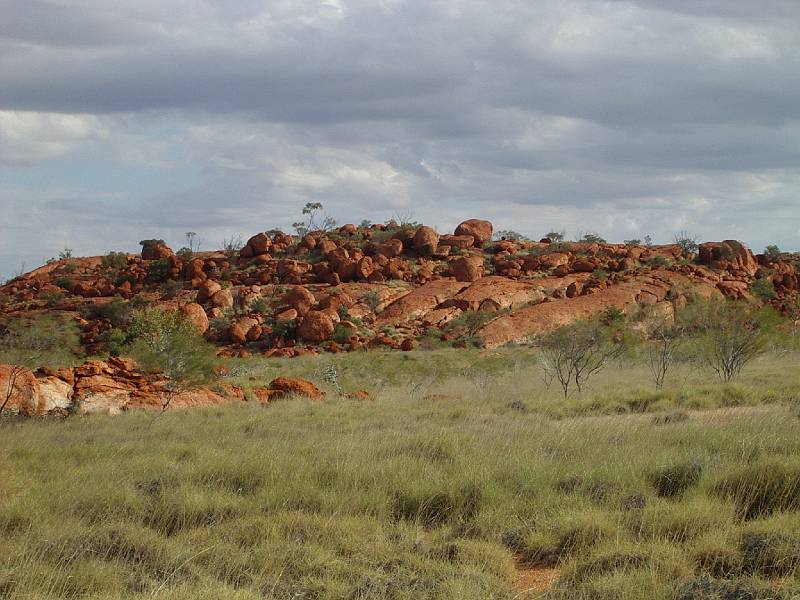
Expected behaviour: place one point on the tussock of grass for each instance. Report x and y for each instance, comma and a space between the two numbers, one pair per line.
762, 488
674, 480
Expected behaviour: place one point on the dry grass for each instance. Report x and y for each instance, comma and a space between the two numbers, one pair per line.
439, 488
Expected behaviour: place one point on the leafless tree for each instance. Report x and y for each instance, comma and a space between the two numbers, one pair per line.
573, 353
665, 342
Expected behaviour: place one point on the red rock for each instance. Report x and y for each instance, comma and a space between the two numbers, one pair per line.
207, 289
457, 241
223, 298
467, 268
425, 240
583, 265
407, 345
300, 299
308, 241
24, 390
478, 229
258, 244
196, 316
286, 386
316, 327
364, 268
155, 250
391, 248
325, 247
239, 330
290, 314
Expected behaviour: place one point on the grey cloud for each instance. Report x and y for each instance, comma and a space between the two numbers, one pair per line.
632, 116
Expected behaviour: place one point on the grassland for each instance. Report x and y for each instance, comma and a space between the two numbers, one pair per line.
464, 477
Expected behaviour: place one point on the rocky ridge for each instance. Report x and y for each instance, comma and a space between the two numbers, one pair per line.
388, 286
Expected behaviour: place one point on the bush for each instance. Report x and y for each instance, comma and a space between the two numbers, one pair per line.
572, 354
761, 489
117, 312
687, 242
171, 288
114, 261
732, 333
592, 238
773, 253
42, 341
165, 341
763, 288
657, 260
770, 554
185, 254
159, 271
52, 298
673, 480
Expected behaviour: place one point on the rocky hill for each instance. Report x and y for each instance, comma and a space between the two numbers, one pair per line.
389, 286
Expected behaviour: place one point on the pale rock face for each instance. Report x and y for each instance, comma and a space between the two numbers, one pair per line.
54, 394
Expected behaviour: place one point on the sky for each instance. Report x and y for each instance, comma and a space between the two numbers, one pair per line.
121, 120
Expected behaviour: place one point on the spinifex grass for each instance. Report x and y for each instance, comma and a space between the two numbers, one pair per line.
439, 489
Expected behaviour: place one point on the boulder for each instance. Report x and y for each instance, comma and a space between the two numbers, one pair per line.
467, 268
196, 315
316, 327
300, 299
287, 386
19, 386
223, 298
425, 240
257, 245
155, 250
479, 229
239, 331
207, 289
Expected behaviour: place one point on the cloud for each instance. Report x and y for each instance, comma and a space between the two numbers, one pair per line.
631, 117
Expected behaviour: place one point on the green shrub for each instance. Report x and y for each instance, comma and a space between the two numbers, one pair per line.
42, 341
165, 341
591, 238
657, 260
673, 480
117, 312
171, 288
773, 253
114, 341
114, 261
764, 288
761, 489
52, 298
731, 333
185, 254
159, 271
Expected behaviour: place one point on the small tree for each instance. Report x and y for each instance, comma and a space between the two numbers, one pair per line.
165, 341
687, 242
773, 253
556, 236
665, 340
573, 353
732, 333
313, 210
510, 235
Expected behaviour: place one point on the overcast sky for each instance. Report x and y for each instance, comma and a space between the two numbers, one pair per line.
122, 120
